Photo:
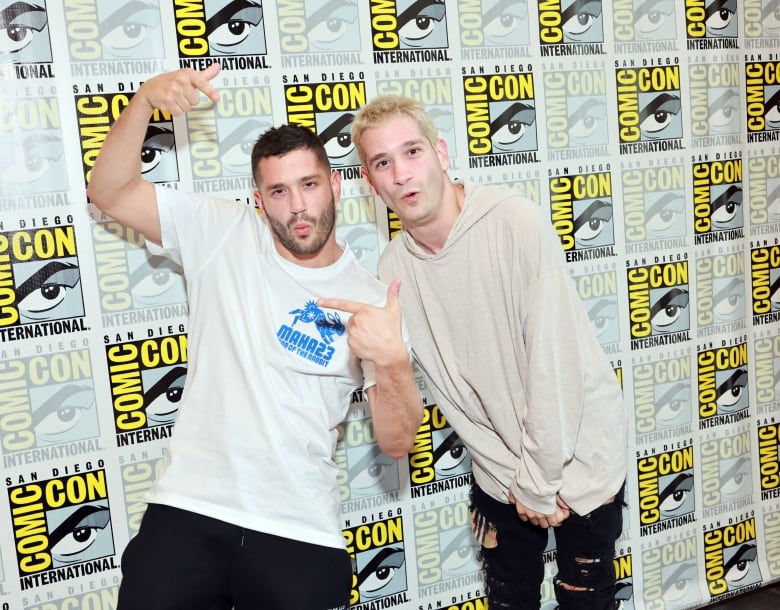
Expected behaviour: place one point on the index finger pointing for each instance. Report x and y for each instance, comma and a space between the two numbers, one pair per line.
341, 305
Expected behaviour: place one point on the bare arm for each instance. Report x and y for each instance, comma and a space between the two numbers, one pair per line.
395, 402
116, 185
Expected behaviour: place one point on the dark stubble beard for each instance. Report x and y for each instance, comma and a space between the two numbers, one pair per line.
322, 228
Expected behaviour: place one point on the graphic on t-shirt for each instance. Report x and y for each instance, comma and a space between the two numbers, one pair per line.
328, 325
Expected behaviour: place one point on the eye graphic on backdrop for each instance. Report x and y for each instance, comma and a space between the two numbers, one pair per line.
508, 130
679, 584
422, 25
582, 21
729, 301
658, 117
333, 24
20, 23
159, 141
237, 146
505, 23
380, 573
459, 554
373, 473
742, 567
770, 19
736, 482
78, 537
338, 140
719, 18
624, 594
132, 30
61, 414
673, 406
451, 456
676, 498
668, 313
666, 216
586, 123
592, 226
156, 281
772, 109
231, 31
653, 20
727, 209
162, 399
38, 158
732, 394
604, 314
49, 293
723, 112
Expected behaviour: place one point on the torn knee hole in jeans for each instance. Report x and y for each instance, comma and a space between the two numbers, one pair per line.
484, 531
583, 562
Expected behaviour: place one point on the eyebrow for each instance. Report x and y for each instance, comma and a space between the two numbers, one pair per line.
70, 272
229, 12
124, 12
56, 400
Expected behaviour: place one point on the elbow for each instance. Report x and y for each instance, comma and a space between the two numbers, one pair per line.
396, 450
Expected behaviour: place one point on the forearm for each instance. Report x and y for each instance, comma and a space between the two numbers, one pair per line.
396, 407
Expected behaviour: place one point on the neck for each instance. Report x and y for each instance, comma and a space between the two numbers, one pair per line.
432, 236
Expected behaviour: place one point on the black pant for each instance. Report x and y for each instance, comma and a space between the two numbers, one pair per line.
585, 547
184, 561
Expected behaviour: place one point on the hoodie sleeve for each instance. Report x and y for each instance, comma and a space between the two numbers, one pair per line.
555, 323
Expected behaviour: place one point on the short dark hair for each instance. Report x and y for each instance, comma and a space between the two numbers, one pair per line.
278, 141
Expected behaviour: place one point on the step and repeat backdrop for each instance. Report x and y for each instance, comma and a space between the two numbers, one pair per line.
649, 130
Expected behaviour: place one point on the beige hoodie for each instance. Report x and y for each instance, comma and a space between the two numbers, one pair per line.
511, 356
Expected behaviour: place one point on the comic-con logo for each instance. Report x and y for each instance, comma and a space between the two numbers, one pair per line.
61, 526
32, 158
26, 40
636, 21
500, 118
723, 391
48, 400
356, 224
378, 562
715, 104
438, 460
582, 214
113, 31
138, 476
711, 24
231, 32
221, 137
40, 282
666, 484
762, 103
97, 112
764, 200
147, 383
772, 541
765, 282
445, 547
364, 471
762, 20
658, 299
311, 26
649, 108
328, 108
731, 558
662, 396
131, 278
717, 200
670, 574
576, 113
726, 473
768, 435
598, 291
99, 597
720, 291
407, 31
766, 356
624, 581
577, 25
487, 24
654, 207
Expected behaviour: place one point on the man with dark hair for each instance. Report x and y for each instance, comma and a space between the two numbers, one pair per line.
246, 511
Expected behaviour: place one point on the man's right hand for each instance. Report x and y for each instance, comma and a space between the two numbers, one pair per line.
178, 91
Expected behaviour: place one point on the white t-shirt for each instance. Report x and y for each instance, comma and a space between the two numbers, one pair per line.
269, 374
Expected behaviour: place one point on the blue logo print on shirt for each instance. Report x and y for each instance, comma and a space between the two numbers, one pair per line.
328, 325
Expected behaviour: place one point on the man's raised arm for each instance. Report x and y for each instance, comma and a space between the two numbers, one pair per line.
116, 185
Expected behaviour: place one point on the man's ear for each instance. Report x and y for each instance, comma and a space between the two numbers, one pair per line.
259, 200
444, 154
367, 178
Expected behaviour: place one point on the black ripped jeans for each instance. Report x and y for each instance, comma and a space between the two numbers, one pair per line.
514, 569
